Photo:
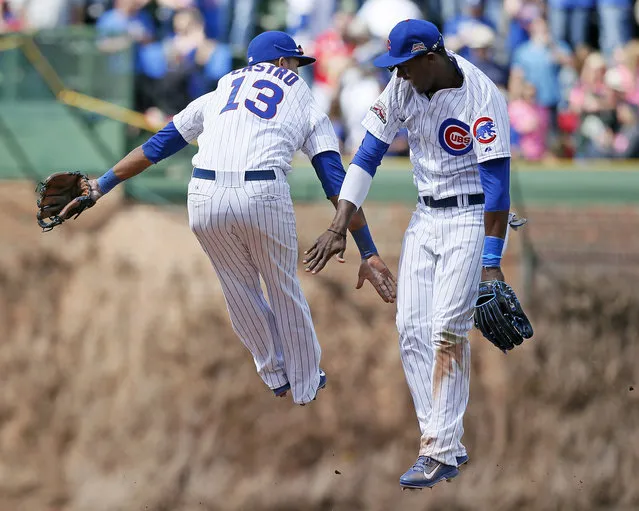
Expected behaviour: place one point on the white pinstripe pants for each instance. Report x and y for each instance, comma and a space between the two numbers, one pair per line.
248, 230
439, 273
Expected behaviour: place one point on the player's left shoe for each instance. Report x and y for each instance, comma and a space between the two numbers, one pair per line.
281, 391
427, 472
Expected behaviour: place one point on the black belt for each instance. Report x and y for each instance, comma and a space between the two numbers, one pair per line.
454, 201
250, 175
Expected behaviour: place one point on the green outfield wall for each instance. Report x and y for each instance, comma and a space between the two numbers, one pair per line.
572, 184
38, 137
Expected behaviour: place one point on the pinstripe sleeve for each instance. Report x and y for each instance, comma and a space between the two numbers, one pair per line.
321, 136
190, 121
383, 118
491, 126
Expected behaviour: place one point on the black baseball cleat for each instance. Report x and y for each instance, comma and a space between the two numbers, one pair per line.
426, 472
461, 460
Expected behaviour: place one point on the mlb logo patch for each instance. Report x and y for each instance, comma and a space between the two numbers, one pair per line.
379, 109
455, 137
484, 130
418, 47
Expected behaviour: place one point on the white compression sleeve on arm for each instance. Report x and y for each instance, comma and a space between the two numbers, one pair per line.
356, 185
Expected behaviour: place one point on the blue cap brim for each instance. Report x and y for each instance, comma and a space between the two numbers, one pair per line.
305, 61
386, 60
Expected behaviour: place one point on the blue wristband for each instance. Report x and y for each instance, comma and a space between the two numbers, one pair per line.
493, 247
108, 181
364, 242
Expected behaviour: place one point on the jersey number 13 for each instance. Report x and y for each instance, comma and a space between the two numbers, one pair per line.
271, 101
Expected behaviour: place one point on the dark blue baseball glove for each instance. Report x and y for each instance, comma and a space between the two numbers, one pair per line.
499, 316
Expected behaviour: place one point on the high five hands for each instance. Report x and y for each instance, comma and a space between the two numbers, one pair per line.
373, 268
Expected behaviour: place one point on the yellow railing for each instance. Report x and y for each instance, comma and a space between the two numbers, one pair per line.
31, 51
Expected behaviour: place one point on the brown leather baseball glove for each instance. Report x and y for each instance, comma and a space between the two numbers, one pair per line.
61, 196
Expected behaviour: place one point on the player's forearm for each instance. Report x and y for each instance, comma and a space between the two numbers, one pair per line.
360, 232
343, 216
357, 221
163, 144
495, 180
132, 164
496, 223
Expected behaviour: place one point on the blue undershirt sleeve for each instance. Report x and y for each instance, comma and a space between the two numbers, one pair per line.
495, 180
370, 153
164, 143
330, 171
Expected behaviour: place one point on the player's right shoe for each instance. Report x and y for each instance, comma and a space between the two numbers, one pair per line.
322, 382
427, 472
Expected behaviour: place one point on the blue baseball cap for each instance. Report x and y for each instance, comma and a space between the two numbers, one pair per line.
272, 45
408, 39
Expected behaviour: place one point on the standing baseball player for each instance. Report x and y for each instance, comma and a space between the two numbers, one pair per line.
459, 147
240, 207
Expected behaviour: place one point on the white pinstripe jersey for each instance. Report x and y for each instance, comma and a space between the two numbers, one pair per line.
448, 134
256, 119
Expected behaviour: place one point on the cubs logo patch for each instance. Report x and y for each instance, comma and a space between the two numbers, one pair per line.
379, 109
484, 130
455, 137
418, 47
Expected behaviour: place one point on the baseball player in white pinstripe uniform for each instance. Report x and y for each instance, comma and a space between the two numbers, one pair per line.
458, 130
240, 207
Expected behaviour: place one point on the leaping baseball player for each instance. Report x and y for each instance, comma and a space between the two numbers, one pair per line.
458, 132
240, 207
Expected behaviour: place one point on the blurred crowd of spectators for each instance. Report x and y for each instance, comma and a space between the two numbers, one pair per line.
570, 68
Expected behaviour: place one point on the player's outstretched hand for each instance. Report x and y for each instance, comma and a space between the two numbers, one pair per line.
94, 190
325, 247
374, 270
